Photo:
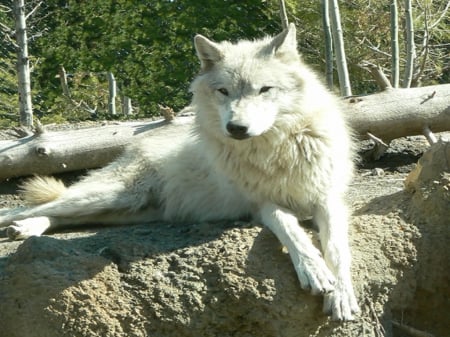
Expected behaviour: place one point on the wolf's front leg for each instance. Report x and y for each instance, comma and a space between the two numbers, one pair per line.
332, 220
311, 269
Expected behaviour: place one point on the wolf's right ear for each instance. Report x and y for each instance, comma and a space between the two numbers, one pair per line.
284, 45
208, 51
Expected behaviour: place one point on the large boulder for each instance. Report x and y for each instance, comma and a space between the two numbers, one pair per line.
234, 279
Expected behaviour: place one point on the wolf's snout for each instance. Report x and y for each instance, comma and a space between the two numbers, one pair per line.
237, 131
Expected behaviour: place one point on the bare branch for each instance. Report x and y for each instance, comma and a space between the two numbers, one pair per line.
429, 135
39, 129
63, 81
377, 73
425, 47
379, 148
33, 10
443, 15
6, 29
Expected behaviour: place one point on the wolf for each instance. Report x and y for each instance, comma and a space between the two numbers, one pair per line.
269, 141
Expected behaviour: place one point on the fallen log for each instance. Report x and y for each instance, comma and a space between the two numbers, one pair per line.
387, 115
395, 113
65, 151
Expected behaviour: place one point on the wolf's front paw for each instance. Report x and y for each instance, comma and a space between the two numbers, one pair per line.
341, 303
22, 229
314, 274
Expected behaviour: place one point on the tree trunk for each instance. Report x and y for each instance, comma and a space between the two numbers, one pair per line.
328, 43
23, 66
283, 15
112, 94
63, 81
395, 71
338, 41
127, 108
410, 46
390, 114
65, 151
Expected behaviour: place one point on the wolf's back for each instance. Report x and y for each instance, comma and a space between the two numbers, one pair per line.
40, 190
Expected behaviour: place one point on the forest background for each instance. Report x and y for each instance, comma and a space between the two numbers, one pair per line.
148, 47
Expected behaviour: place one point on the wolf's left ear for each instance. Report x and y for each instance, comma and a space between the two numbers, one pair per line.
208, 51
284, 45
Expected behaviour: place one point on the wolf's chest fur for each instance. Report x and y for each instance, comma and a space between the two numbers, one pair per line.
291, 172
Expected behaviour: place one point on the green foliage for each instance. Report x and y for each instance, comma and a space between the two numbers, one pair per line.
8, 92
8, 78
367, 38
88, 99
148, 46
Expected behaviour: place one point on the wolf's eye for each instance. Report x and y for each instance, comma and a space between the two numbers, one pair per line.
264, 89
223, 91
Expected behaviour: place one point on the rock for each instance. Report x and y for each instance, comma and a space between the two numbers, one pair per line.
199, 280
228, 279
429, 183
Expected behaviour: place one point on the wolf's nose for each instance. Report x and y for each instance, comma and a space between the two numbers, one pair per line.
237, 131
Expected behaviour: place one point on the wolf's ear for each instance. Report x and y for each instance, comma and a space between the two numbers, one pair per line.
208, 52
284, 45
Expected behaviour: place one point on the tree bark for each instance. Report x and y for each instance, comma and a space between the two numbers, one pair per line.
63, 81
387, 115
410, 46
65, 151
112, 94
338, 42
328, 43
127, 108
23, 66
283, 15
395, 67
395, 113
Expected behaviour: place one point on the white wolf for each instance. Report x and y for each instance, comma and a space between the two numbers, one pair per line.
268, 141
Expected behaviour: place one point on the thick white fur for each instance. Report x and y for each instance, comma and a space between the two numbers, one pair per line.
293, 160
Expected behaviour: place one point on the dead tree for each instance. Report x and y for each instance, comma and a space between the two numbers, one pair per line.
112, 93
395, 62
23, 65
395, 113
328, 43
410, 46
338, 42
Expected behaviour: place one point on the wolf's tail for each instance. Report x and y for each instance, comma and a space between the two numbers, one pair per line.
40, 190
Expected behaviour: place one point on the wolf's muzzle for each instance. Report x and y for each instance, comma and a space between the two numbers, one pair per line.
237, 131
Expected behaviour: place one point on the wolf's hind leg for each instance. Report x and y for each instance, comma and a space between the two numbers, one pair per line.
7, 215
311, 269
35, 191
36, 226
93, 200
22, 229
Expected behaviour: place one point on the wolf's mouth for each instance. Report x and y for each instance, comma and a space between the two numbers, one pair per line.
240, 137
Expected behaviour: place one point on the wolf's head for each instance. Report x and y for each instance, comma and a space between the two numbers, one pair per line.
244, 87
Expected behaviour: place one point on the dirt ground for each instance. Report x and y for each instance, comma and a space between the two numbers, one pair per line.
212, 279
